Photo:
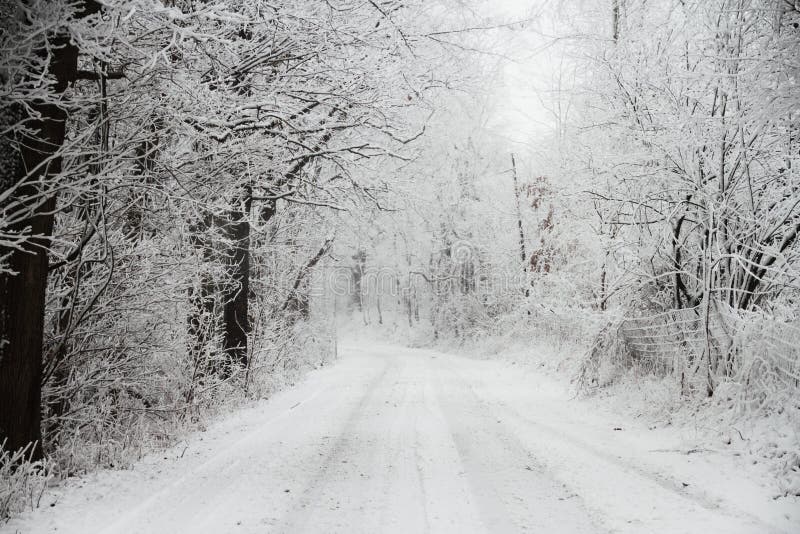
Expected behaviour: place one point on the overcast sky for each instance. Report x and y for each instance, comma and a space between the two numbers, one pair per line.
525, 75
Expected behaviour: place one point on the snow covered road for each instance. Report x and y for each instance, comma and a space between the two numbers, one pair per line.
393, 439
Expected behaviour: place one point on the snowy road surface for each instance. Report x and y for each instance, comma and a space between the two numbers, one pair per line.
392, 439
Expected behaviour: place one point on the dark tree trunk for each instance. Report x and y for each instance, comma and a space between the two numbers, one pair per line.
22, 299
203, 322
27, 162
235, 310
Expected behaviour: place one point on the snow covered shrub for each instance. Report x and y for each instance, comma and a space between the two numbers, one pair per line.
284, 353
116, 353
22, 482
764, 362
605, 360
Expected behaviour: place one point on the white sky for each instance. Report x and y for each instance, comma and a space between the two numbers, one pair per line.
519, 113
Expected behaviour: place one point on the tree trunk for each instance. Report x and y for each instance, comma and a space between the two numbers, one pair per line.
615, 19
27, 162
22, 299
203, 321
235, 310
523, 254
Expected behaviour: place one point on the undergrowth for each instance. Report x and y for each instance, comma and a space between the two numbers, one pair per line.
115, 427
22, 481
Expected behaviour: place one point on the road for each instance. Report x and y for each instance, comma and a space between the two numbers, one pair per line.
391, 439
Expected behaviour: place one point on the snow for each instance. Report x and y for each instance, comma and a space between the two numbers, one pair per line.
393, 439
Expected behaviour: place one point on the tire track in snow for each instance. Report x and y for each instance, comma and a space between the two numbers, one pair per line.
513, 492
190, 483
559, 447
299, 517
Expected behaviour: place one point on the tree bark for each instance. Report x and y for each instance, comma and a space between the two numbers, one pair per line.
28, 160
236, 306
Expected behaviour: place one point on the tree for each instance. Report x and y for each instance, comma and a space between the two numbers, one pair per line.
34, 130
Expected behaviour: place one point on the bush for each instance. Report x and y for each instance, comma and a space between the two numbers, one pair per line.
22, 481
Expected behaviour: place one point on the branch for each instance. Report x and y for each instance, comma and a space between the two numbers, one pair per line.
307, 268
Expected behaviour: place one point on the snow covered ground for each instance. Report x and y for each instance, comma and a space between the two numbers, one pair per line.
392, 439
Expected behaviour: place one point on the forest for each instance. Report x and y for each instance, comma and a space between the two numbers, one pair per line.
199, 198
